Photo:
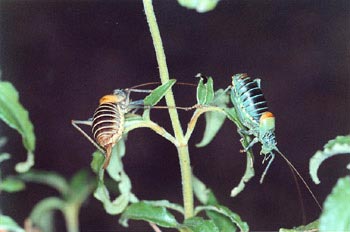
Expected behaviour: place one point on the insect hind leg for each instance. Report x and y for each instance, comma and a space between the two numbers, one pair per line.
251, 144
75, 123
270, 157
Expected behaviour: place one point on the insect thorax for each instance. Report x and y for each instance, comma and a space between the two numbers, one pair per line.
268, 141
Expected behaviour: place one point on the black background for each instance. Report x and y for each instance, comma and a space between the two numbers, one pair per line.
63, 56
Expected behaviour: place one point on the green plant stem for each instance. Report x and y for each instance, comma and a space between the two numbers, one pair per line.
186, 178
155, 127
163, 68
71, 216
185, 165
191, 125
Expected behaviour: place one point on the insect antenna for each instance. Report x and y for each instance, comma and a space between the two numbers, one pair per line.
301, 178
157, 83
299, 195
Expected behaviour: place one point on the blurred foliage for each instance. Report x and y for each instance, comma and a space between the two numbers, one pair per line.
339, 145
201, 6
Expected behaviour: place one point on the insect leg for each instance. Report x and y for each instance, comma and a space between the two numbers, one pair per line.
140, 104
271, 156
75, 123
245, 131
227, 89
251, 144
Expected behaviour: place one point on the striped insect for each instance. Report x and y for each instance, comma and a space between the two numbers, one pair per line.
259, 123
107, 122
252, 111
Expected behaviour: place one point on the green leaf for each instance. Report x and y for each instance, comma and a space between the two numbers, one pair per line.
79, 179
214, 119
336, 210
146, 212
80, 187
116, 171
157, 94
112, 207
46, 222
339, 145
313, 226
223, 217
3, 141
205, 91
197, 224
201, 6
42, 213
245, 141
166, 204
222, 222
248, 174
97, 161
26, 165
16, 116
203, 194
233, 217
8, 224
232, 115
115, 167
11, 184
51, 179
4, 157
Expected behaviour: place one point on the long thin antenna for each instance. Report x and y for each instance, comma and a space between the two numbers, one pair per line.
145, 84
173, 107
299, 194
301, 178
157, 83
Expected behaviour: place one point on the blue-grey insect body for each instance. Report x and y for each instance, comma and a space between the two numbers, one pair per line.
252, 111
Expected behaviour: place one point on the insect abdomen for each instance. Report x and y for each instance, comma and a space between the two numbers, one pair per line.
251, 97
107, 125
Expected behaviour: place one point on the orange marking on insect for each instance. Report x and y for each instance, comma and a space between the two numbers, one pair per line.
108, 99
266, 115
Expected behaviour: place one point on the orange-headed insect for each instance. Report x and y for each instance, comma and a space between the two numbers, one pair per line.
252, 111
108, 120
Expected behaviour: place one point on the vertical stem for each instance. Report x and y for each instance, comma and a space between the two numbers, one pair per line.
186, 176
184, 157
163, 68
71, 216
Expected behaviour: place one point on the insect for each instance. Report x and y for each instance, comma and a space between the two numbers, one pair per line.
107, 122
252, 111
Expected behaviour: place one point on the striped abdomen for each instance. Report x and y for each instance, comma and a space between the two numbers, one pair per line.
250, 97
108, 124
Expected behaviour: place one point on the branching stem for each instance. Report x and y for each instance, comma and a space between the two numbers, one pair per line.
182, 148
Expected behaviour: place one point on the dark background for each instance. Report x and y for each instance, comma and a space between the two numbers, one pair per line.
63, 56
